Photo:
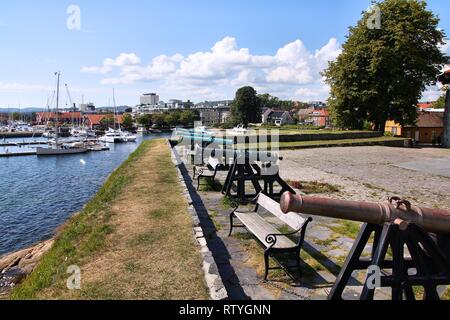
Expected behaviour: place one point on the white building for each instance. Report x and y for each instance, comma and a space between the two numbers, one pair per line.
150, 99
87, 107
175, 104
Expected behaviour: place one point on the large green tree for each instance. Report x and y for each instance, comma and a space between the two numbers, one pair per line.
246, 107
127, 121
439, 103
382, 72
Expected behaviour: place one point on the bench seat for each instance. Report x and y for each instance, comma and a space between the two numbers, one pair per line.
267, 234
261, 228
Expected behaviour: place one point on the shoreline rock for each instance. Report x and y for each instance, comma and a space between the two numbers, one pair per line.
14, 267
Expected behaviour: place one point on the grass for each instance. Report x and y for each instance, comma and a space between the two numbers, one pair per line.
207, 185
349, 229
131, 241
313, 187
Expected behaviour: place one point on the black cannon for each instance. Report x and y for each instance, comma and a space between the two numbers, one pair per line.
418, 238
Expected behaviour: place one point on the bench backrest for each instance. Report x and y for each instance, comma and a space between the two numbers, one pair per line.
292, 219
213, 162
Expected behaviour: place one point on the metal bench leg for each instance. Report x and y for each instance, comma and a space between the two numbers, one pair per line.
298, 263
231, 224
266, 262
198, 182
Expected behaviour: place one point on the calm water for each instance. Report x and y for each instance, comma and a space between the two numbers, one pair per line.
38, 194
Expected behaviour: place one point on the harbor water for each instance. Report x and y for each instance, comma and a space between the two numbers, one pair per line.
38, 194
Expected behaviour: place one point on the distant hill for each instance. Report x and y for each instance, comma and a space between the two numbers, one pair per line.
27, 110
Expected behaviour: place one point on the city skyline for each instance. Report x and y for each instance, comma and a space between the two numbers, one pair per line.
198, 51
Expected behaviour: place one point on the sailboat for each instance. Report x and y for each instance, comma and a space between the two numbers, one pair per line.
117, 135
59, 148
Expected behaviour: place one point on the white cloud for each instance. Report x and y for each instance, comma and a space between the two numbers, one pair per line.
225, 67
123, 60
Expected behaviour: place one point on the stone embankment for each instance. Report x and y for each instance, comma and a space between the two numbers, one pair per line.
14, 267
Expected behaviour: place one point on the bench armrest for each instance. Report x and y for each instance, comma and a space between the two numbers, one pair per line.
271, 239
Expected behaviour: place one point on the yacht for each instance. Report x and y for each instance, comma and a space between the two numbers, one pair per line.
142, 130
112, 136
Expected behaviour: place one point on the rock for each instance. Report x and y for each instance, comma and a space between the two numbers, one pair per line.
17, 265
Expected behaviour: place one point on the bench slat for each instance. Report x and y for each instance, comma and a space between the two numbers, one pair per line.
261, 228
213, 162
292, 219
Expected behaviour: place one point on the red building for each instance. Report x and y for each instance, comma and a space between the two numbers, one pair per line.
321, 118
63, 117
94, 120
425, 105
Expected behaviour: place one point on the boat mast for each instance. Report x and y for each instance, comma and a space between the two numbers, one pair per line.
115, 111
58, 74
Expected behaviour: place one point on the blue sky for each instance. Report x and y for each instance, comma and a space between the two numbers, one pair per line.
181, 49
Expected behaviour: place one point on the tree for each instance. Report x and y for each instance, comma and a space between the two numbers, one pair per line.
107, 122
439, 103
144, 120
127, 121
158, 119
172, 118
187, 117
268, 101
382, 73
246, 107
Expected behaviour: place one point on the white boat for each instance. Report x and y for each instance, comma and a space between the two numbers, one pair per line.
239, 130
142, 130
112, 136
59, 148
128, 137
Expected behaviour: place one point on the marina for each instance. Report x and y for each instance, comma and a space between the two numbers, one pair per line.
38, 194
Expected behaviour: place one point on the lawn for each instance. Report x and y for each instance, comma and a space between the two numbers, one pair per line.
133, 240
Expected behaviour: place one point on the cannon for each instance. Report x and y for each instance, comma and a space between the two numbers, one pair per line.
418, 239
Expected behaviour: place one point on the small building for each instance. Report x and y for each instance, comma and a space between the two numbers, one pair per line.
304, 115
214, 116
63, 117
320, 118
93, 121
87, 107
428, 128
277, 117
425, 105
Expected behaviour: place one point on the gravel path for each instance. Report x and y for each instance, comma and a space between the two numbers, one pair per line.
373, 173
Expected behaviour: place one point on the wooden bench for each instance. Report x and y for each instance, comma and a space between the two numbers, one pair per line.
273, 241
209, 172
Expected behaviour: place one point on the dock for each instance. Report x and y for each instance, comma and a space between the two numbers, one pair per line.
17, 154
23, 143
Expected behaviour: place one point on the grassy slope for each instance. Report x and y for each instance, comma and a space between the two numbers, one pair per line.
132, 240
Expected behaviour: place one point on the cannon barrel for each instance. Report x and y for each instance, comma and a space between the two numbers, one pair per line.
431, 220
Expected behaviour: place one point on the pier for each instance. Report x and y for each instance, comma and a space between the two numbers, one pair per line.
20, 144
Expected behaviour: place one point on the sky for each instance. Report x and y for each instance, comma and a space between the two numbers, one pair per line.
181, 49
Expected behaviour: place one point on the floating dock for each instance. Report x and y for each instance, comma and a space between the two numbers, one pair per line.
19, 144
17, 154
